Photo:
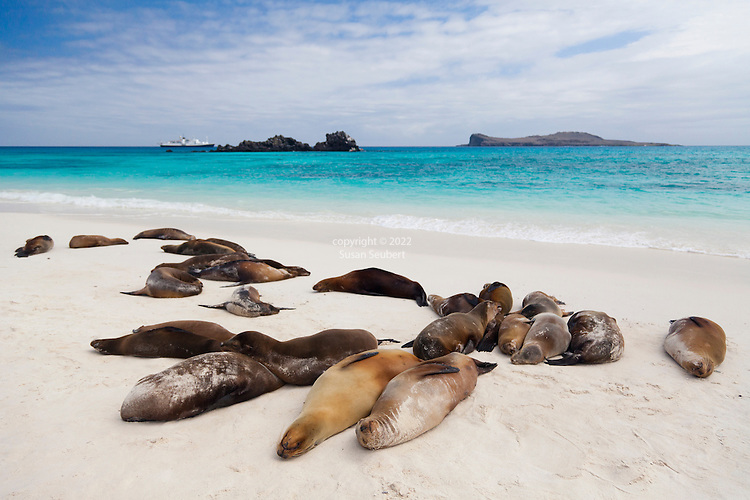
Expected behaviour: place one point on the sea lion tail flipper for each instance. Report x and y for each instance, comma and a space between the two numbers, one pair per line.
566, 359
388, 341
430, 369
408, 344
488, 343
422, 298
483, 366
362, 357
20, 252
217, 306
469, 347
137, 292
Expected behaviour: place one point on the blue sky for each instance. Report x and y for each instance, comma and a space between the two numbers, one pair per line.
102, 73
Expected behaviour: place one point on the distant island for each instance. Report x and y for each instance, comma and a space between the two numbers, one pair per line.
337, 141
558, 139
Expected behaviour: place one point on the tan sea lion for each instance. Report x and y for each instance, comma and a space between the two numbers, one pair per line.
418, 399
196, 385
169, 283
302, 360
595, 338
242, 272
457, 332
173, 339
35, 245
343, 395
539, 302
461, 302
374, 281
697, 344
510, 333
94, 240
164, 233
246, 302
197, 247
547, 337
500, 293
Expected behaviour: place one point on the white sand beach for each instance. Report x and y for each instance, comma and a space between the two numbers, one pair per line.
637, 428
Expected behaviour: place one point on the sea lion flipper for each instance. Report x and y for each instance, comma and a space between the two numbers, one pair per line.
362, 357
137, 292
437, 369
483, 366
408, 344
488, 343
388, 341
217, 306
469, 347
565, 359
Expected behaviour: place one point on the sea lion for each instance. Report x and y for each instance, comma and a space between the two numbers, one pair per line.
169, 283
196, 385
697, 344
231, 244
418, 399
197, 247
339, 398
509, 334
94, 240
242, 272
457, 332
302, 360
200, 262
173, 339
547, 337
374, 281
595, 338
35, 245
500, 293
164, 233
461, 302
539, 302
246, 302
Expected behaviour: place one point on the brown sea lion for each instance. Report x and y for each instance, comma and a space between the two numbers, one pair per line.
200, 262
246, 302
595, 338
461, 302
374, 281
547, 337
539, 302
500, 293
196, 385
197, 247
231, 244
509, 334
35, 245
169, 283
418, 399
302, 360
164, 233
94, 240
697, 344
242, 272
173, 339
457, 332
343, 395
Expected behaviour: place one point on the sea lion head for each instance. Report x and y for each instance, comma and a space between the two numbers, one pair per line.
298, 439
376, 433
700, 367
323, 286
530, 354
247, 343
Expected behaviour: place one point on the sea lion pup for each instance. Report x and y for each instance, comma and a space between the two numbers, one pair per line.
374, 281
200, 262
457, 332
196, 385
509, 334
343, 395
500, 293
242, 272
697, 344
173, 339
539, 302
246, 302
302, 360
595, 338
197, 247
35, 245
94, 240
164, 233
461, 302
547, 337
169, 283
418, 399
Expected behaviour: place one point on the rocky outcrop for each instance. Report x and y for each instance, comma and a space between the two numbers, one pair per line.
558, 139
337, 141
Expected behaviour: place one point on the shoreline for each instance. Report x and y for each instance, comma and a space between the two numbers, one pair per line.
640, 426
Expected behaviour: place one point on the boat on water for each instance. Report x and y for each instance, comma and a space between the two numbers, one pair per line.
182, 142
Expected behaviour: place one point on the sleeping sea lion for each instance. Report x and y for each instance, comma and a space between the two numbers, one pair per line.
200, 262
242, 272
697, 344
343, 395
302, 360
547, 337
94, 240
539, 302
197, 247
509, 334
246, 302
196, 385
595, 338
173, 339
500, 293
461, 302
164, 233
418, 399
35, 245
231, 244
457, 332
165, 282
374, 281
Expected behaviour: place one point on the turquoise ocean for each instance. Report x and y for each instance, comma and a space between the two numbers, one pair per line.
690, 199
